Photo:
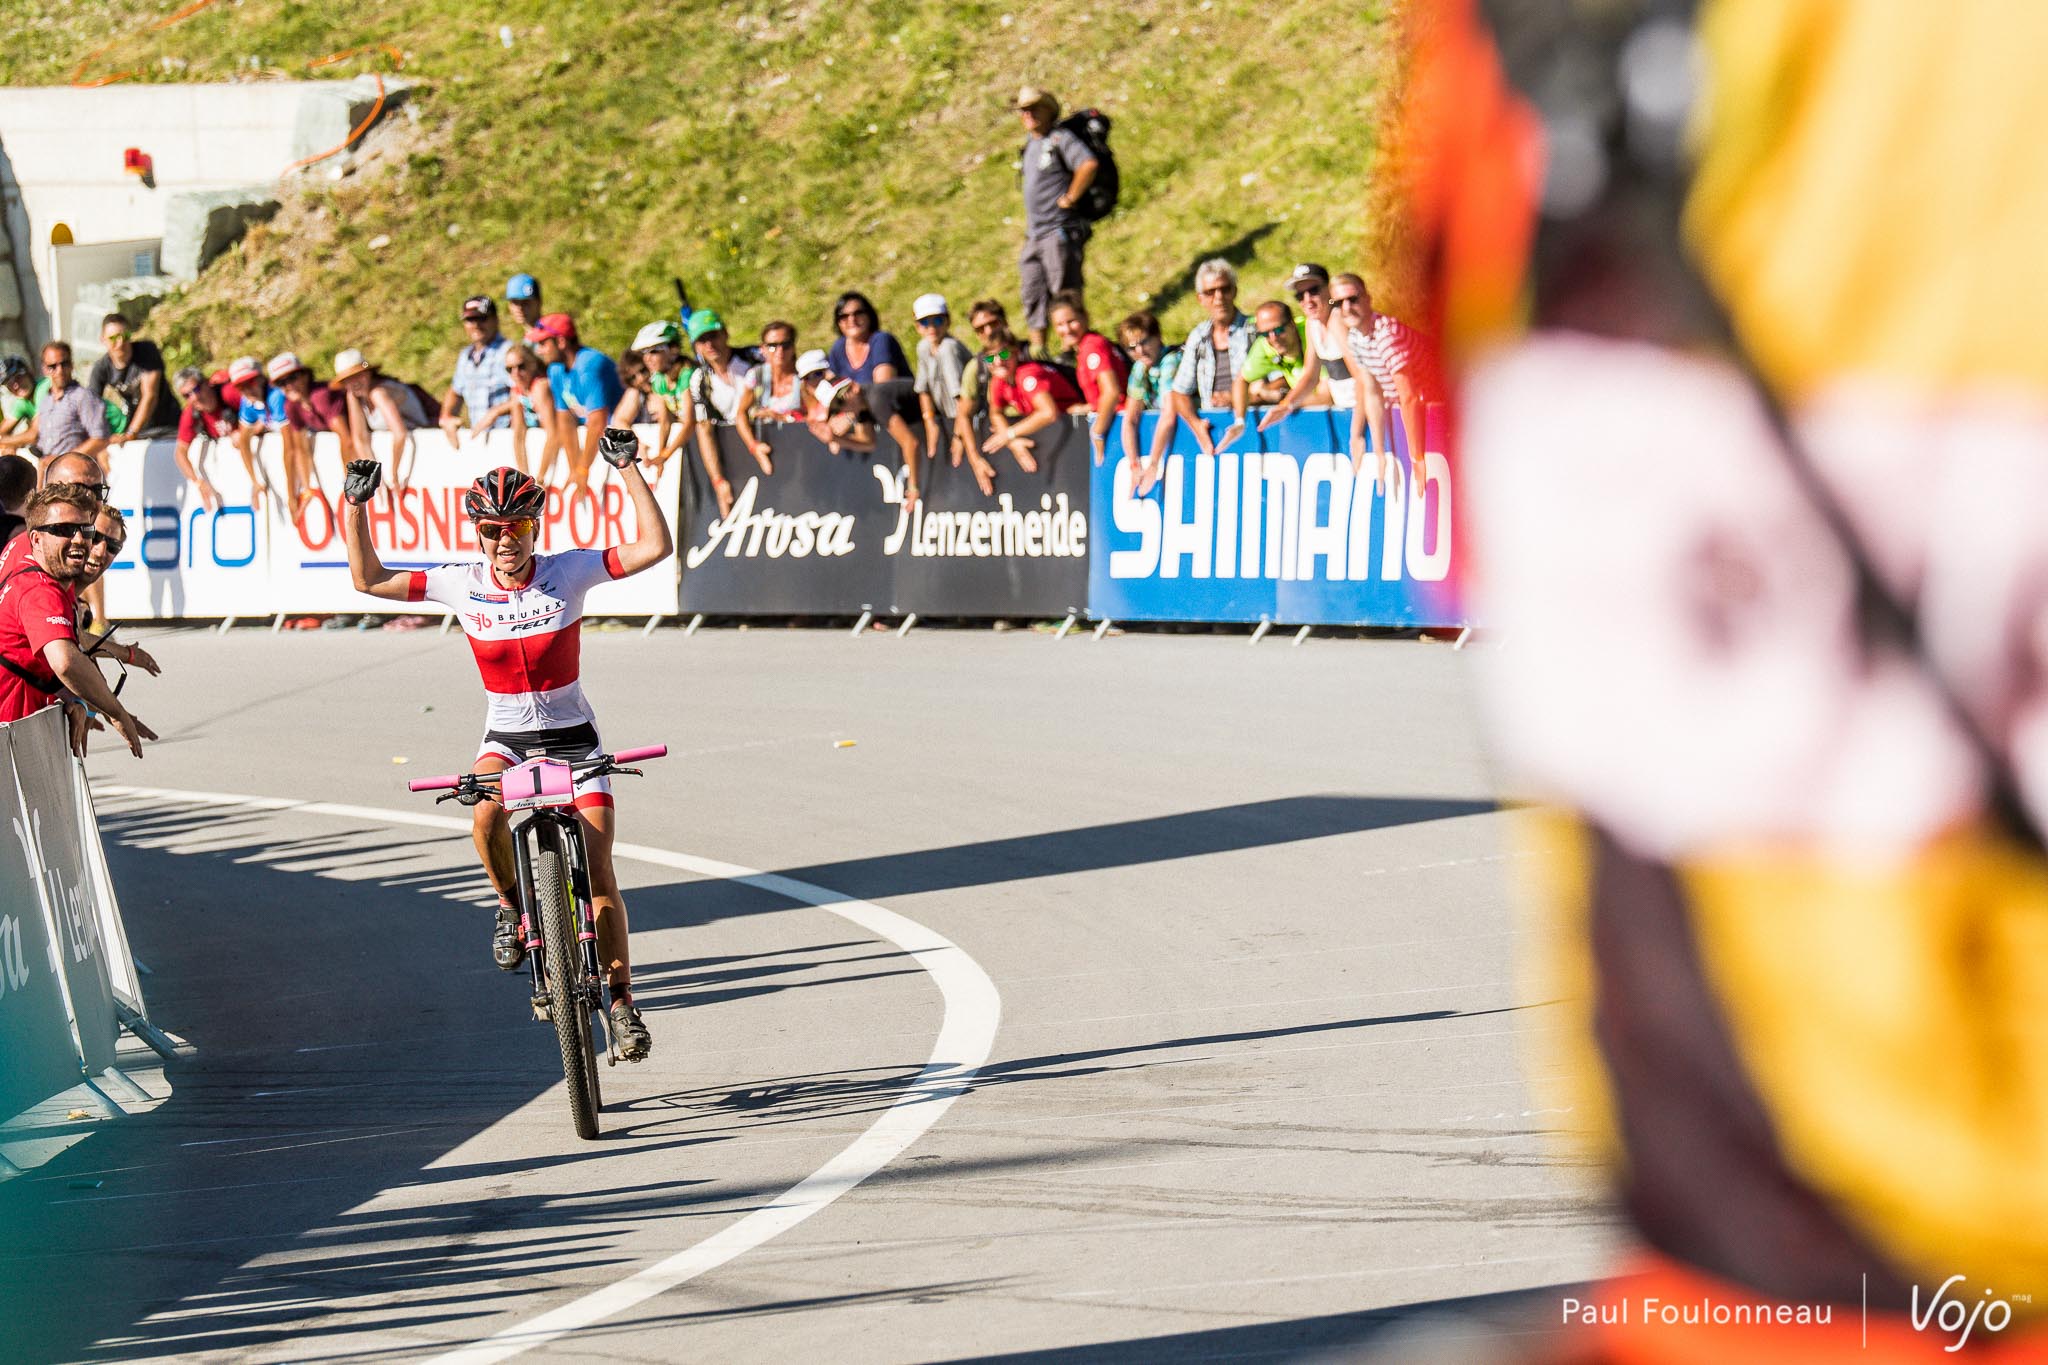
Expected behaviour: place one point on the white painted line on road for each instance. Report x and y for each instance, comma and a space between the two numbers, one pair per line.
973, 1009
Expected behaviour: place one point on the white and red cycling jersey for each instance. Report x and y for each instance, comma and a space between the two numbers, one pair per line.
528, 641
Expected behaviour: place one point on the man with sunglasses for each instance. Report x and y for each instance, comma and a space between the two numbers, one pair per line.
1275, 359
39, 654
523, 614
1399, 358
68, 417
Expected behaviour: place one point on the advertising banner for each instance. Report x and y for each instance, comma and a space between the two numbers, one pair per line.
121, 973
41, 1057
249, 557
826, 534
1275, 526
45, 829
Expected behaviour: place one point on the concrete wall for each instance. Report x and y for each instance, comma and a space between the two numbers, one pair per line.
62, 161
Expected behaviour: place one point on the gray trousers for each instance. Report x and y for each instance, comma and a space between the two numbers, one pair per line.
1045, 266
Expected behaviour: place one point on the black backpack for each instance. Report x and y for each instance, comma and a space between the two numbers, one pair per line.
1098, 201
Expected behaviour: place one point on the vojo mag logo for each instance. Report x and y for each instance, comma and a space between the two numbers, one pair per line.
1959, 1314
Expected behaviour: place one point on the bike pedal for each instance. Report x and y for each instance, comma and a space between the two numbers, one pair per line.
541, 1010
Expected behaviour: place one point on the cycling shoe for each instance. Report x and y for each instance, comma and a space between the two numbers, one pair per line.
508, 949
629, 1033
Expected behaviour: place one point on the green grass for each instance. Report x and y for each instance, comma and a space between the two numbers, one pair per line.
771, 154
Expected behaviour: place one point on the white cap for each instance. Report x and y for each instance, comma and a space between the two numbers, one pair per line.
243, 367
656, 334
828, 390
928, 305
810, 361
349, 362
282, 364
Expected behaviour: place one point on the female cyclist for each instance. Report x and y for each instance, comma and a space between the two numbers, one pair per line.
523, 614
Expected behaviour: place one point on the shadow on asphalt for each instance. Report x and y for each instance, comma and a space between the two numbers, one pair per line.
352, 1037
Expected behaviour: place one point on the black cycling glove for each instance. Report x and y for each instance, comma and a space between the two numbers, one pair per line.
619, 446
360, 484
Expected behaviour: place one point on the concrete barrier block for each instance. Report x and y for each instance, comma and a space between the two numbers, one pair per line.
132, 296
200, 224
328, 114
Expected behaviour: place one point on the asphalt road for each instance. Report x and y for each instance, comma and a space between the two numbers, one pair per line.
1255, 1088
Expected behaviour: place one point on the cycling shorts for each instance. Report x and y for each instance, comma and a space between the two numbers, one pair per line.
570, 743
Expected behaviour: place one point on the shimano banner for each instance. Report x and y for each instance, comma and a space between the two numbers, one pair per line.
1277, 527
41, 1058
826, 534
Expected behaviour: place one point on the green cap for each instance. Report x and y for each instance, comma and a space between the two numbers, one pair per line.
703, 323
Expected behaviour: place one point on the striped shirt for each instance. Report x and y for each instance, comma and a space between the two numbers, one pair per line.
1393, 347
1199, 375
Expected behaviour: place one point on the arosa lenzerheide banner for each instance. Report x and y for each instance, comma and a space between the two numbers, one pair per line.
1276, 527
41, 1058
825, 534
248, 558
45, 828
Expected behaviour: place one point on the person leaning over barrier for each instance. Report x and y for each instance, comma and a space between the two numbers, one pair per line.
942, 362
208, 417
778, 388
724, 389
39, 650
854, 412
1152, 366
1210, 361
1276, 359
110, 535
990, 323
1041, 392
87, 472
669, 376
1335, 370
1101, 368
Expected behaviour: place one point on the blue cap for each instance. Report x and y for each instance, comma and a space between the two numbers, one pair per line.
521, 287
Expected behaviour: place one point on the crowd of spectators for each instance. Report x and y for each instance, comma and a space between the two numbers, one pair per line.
1315, 341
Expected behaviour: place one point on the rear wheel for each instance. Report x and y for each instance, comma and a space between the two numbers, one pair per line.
567, 983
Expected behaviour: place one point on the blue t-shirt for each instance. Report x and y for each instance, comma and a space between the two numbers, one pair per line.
558, 378
882, 349
271, 410
592, 383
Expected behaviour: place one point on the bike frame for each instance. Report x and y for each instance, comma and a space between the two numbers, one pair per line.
567, 830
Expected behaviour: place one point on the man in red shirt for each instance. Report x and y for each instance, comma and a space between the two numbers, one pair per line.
1099, 363
39, 653
1038, 390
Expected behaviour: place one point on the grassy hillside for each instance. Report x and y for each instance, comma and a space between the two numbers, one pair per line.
771, 154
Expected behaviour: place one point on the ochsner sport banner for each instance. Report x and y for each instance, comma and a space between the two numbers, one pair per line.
820, 533
249, 557
421, 524
1275, 526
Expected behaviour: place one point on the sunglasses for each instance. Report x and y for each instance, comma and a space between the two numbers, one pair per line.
1300, 289
492, 530
777, 345
987, 325
1275, 333
1341, 299
995, 357
69, 530
50, 365
851, 313
935, 320
189, 394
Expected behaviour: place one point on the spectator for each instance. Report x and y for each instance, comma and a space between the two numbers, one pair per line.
377, 402
1152, 367
1033, 387
854, 412
636, 401
1210, 361
778, 388
1335, 372
132, 373
522, 297
17, 403
313, 405
811, 367
669, 381
68, 417
207, 416
942, 361
532, 404
1400, 361
1275, 359
17, 482
991, 324
479, 389
110, 535
38, 614
586, 388
725, 390
261, 408
864, 352
1058, 168
1101, 368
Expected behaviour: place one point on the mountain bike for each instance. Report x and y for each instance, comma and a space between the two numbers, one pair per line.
555, 915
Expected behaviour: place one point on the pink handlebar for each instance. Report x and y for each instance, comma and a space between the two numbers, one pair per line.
432, 784
636, 755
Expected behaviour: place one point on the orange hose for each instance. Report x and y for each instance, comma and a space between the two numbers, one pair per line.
346, 142
92, 56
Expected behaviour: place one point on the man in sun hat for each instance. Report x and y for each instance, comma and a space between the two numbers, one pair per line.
1058, 168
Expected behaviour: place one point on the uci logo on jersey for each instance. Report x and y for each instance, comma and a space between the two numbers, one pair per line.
490, 597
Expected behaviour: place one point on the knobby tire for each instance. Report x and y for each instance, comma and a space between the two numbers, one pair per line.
567, 1005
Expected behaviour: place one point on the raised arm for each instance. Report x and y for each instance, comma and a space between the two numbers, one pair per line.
652, 541
365, 569
85, 681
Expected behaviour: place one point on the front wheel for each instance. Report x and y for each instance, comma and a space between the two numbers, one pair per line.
567, 987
